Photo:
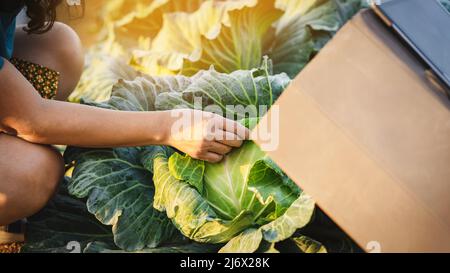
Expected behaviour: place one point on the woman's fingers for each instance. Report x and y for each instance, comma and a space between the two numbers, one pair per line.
228, 139
219, 148
233, 127
212, 157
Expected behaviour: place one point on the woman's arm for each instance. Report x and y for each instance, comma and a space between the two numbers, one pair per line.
25, 114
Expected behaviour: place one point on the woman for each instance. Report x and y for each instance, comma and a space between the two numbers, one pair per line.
43, 61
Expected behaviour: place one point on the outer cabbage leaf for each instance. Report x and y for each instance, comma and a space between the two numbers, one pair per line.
308, 245
188, 169
248, 89
105, 64
119, 193
65, 225
143, 93
269, 181
240, 45
297, 216
247, 242
215, 37
127, 26
135, 19
305, 28
301, 244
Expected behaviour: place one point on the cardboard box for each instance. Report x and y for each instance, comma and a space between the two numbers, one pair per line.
366, 133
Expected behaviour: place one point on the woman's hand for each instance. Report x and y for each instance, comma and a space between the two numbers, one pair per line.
203, 135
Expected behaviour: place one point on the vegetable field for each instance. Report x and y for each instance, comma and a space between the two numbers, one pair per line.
161, 55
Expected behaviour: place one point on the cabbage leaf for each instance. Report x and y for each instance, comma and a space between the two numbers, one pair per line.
305, 27
119, 193
63, 221
248, 89
227, 34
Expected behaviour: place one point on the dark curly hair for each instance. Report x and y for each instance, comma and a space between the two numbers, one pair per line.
42, 14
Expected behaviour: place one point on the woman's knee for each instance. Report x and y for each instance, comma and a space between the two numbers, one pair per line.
45, 173
30, 178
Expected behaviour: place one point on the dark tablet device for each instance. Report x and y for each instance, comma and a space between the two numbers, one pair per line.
425, 26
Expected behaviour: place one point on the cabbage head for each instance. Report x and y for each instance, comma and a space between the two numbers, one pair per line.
241, 201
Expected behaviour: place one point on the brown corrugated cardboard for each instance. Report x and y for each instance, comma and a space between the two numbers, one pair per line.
365, 132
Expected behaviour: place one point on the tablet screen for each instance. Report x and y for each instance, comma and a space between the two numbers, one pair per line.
425, 25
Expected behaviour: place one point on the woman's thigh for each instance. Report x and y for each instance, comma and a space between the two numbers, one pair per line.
59, 49
29, 176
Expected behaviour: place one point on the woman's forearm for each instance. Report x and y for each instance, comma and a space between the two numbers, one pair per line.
85, 126
25, 114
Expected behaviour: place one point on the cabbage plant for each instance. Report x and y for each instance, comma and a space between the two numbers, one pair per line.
168, 37
163, 55
154, 195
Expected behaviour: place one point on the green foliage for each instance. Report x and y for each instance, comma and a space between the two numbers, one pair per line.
179, 37
165, 55
119, 193
206, 203
63, 221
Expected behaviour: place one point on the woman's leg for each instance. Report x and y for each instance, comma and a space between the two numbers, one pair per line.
30, 173
29, 176
59, 49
